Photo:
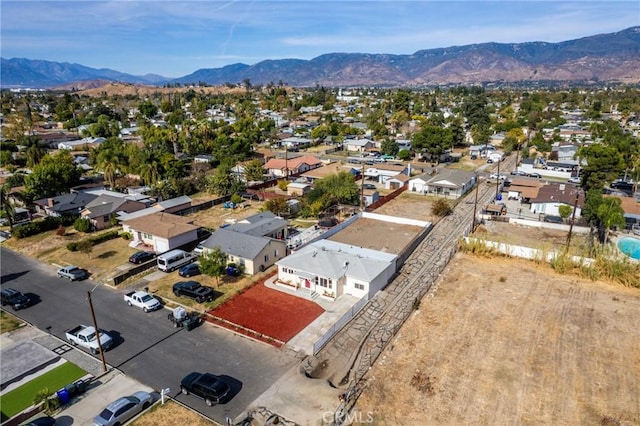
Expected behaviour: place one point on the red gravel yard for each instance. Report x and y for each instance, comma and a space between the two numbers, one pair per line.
269, 312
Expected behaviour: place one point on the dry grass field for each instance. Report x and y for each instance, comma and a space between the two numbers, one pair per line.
508, 341
171, 414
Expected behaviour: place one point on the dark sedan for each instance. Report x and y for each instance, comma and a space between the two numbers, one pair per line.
141, 257
15, 299
189, 270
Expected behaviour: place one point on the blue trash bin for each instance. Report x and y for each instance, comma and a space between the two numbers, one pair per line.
63, 396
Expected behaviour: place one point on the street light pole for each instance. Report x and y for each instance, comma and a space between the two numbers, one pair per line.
95, 326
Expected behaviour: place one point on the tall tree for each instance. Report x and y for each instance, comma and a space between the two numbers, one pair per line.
53, 175
5, 204
610, 215
604, 164
213, 263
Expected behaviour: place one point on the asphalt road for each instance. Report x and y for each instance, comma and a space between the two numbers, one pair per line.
147, 346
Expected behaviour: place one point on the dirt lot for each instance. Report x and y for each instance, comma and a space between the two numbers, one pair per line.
411, 206
170, 414
508, 341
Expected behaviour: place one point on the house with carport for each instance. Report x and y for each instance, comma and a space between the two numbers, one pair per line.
160, 231
254, 253
331, 269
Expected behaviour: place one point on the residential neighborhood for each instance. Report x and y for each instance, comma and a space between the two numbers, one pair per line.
266, 221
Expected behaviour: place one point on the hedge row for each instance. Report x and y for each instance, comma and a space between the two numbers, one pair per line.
49, 223
95, 239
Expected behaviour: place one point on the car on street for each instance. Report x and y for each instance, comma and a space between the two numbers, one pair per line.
207, 386
534, 175
189, 270
574, 180
497, 176
141, 257
193, 290
142, 299
518, 173
15, 299
123, 409
73, 273
553, 219
41, 421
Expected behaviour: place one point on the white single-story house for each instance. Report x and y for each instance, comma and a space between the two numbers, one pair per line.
358, 145
161, 231
332, 269
450, 183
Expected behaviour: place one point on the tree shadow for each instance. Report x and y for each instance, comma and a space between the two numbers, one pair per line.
11, 276
107, 254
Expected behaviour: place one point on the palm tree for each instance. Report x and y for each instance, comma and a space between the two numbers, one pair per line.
5, 204
610, 214
149, 171
110, 163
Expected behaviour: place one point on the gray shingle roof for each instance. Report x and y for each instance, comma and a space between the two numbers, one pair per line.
236, 243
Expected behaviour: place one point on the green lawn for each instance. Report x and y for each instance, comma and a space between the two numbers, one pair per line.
22, 397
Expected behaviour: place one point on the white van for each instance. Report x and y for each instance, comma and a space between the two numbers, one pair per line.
172, 260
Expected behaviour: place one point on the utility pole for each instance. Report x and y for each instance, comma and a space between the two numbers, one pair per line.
95, 325
475, 205
362, 183
286, 162
498, 181
573, 218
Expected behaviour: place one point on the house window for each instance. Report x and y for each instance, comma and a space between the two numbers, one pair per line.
266, 257
275, 253
323, 282
359, 286
147, 236
105, 218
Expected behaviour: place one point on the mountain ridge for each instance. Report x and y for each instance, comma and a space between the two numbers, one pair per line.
612, 57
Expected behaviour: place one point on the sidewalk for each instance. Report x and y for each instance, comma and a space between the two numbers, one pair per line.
104, 389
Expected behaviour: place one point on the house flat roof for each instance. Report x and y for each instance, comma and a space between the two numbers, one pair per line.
388, 237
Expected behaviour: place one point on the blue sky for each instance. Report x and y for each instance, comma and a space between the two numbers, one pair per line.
176, 38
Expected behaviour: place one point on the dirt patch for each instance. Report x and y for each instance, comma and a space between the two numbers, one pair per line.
269, 312
410, 206
389, 237
508, 341
171, 414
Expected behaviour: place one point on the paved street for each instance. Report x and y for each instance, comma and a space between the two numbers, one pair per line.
148, 348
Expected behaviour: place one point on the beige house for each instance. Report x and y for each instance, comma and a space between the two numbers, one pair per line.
161, 231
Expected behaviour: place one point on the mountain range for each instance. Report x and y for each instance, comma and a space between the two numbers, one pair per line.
613, 57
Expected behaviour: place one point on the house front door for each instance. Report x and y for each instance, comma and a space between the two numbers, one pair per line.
307, 283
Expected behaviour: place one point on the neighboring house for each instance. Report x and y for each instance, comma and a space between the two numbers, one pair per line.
381, 172
264, 224
203, 158
564, 152
450, 183
358, 145
396, 182
255, 253
370, 196
332, 269
553, 195
524, 189
88, 142
65, 204
295, 142
298, 188
631, 208
162, 231
480, 151
168, 206
327, 170
100, 210
281, 167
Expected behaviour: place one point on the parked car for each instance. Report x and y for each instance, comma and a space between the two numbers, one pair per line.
198, 250
489, 161
142, 299
553, 219
189, 270
122, 409
368, 186
497, 176
535, 175
193, 290
41, 421
73, 273
85, 336
518, 173
15, 299
574, 180
141, 257
207, 386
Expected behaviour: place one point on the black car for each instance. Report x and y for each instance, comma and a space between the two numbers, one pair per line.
207, 386
141, 257
189, 270
368, 186
553, 219
41, 421
15, 299
193, 290
535, 175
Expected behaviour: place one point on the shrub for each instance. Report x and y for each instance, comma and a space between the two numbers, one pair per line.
236, 199
72, 246
126, 235
47, 224
282, 184
82, 224
61, 230
109, 235
441, 207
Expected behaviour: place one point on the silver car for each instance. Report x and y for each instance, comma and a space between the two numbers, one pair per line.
123, 409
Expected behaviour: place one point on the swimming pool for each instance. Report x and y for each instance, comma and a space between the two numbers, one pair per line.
630, 247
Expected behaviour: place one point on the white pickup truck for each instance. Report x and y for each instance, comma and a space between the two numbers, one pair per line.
85, 336
143, 300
